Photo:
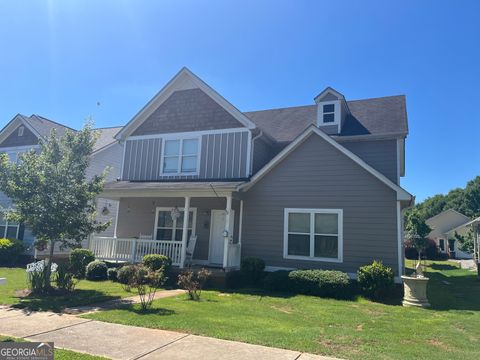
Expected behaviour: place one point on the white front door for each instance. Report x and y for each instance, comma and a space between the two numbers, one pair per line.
217, 227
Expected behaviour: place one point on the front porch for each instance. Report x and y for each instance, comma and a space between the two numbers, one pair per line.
194, 223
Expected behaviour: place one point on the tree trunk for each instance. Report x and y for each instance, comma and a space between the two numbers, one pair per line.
48, 267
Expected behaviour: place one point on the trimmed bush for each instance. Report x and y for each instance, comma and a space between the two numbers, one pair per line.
277, 281
324, 283
79, 259
10, 250
375, 280
64, 279
112, 274
126, 276
252, 270
156, 262
430, 253
96, 271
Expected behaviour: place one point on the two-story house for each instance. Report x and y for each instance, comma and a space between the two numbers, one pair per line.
315, 186
22, 134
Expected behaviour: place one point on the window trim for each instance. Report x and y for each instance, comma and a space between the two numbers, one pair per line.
312, 213
181, 139
338, 109
169, 209
328, 113
4, 235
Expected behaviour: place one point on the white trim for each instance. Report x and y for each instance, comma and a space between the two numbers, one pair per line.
330, 90
312, 212
22, 148
187, 133
240, 223
401, 193
180, 156
250, 145
399, 239
336, 119
116, 219
368, 137
163, 208
184, 79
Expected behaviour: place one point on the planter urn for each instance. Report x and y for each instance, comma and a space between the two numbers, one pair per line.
415, 291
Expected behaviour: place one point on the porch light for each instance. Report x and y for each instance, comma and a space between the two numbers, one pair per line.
175, 213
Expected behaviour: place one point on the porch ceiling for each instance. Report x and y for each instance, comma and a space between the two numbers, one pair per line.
122, 189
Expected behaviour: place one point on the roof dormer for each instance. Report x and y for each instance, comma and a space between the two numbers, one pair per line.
331, 111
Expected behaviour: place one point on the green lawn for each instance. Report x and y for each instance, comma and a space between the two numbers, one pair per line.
86, 292
60, 354
357, 329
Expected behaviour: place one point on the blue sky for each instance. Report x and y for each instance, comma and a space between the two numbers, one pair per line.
59, 58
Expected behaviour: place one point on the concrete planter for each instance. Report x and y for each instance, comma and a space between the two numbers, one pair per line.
415, 291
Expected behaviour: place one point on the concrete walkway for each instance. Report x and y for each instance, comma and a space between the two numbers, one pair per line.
117, 341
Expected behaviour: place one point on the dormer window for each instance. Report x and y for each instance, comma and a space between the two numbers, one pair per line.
21, 130
329, 113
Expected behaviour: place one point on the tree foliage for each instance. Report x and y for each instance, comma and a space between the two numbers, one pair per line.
417, 230
50, 191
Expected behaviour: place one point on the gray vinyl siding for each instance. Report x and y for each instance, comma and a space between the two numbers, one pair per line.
137, 216
380, 154
316, 175
222, 156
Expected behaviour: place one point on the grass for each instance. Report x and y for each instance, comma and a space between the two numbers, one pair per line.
358, 329
60, 354
86, 292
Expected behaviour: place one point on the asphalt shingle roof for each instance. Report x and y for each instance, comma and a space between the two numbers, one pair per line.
375, 116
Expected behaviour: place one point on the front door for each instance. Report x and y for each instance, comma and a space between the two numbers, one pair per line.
217, 227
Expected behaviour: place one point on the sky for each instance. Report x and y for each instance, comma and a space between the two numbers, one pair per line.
70, 60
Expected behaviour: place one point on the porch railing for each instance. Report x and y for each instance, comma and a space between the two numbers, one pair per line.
133, 250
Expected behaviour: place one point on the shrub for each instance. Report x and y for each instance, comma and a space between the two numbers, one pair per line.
193, 282
125, 276
430, 253
234, 279
252, 269
277, 281
156, 262
325, 283
79, 259
96, 271
64, 279
375, 280
146, 282
10, 250
112, 274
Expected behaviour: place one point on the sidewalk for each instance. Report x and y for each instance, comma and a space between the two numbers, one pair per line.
129, 342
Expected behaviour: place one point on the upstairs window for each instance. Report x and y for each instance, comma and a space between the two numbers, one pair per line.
313, 234
21, 129
9, 230
180, 156
329, 113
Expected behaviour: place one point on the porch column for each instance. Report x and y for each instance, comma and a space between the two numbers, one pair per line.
186, 215
226, 234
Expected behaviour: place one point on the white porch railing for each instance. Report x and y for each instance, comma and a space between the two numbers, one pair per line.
133, 250
233, 259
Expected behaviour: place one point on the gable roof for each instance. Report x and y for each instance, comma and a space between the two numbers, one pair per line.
183, 80
377, 116
106, 137
402, 194
448, 211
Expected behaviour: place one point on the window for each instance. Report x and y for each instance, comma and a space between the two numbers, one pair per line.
313, 234
441, 244
180, 156
170, 229
21, 129
329, 113
9, 230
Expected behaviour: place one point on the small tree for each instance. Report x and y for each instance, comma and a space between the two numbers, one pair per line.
465, 241
416, 232
51, 193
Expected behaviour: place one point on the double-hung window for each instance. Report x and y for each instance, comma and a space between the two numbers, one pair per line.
328, 113
8, 229
313, 234
180, 156
171, 228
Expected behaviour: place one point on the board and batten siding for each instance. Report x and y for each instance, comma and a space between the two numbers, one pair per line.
222, 156
318, 176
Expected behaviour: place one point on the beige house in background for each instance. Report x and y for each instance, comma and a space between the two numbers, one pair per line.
444, 226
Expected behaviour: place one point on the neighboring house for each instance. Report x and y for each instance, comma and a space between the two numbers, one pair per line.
315, 186
444, 226
22, 134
